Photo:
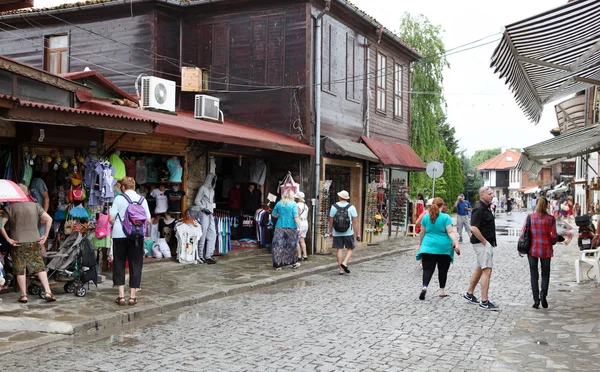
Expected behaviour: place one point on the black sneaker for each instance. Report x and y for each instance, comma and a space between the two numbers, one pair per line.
471, 298
460, 240
210, 261
487, 305
200, 261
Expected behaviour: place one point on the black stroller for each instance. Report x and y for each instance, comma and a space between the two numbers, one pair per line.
74, 264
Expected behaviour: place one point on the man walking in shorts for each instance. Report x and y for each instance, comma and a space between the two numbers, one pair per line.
483, 240
463, 207
343, 224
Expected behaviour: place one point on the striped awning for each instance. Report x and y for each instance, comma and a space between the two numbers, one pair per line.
550, 55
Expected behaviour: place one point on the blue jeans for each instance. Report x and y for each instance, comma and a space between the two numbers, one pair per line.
535, 277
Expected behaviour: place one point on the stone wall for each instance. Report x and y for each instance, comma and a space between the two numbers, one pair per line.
196, 169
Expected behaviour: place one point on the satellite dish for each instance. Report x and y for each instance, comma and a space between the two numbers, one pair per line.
435, 169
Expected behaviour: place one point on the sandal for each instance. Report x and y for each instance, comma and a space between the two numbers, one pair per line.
49, 297
22, 299
132, 301
120, 301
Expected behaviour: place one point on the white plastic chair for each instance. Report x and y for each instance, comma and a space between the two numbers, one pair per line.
591, 257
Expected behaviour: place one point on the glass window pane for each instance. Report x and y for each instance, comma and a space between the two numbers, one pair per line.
55, 42
52, 67
32, 90
6, 85
64, 63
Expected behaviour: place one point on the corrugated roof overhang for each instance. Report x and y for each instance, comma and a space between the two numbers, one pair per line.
395, 154
550, 55
185, 125
348, 148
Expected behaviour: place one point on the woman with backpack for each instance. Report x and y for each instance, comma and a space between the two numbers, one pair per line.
287, 229
129, 215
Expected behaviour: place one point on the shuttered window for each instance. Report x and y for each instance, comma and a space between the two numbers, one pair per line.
326, 58
397, 91
351, 68
267, 50
381, 82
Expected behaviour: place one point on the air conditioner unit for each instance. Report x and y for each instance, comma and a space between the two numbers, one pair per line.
206, 107
158, 94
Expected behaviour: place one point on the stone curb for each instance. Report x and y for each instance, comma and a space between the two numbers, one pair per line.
123, 317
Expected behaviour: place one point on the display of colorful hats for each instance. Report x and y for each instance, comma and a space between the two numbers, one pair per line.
79, 212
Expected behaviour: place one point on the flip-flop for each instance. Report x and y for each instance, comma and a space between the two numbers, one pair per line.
340, 273
446, 295
345, 268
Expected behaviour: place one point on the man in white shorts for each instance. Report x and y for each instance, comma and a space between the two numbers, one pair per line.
483, 239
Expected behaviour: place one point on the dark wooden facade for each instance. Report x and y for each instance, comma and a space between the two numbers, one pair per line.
254, 51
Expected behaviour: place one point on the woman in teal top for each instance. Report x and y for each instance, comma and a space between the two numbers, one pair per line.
438, 244
285, 238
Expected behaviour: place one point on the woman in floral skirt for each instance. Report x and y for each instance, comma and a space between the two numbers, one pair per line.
288, 225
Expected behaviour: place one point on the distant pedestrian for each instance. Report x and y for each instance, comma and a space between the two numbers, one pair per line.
419, 209
533, 203
26, 243
543, 237
284, 248
437, 246
502, 202
343, 223
495, 204
483, 240
419, 221
463, 207
303, 214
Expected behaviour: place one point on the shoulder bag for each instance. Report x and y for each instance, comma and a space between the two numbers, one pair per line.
524, 243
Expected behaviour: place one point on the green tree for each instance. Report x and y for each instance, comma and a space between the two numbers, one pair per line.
431, 137
481, 156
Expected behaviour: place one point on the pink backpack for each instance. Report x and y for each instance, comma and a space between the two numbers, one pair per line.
102, 226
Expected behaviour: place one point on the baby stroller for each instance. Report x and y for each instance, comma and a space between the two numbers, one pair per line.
67, 265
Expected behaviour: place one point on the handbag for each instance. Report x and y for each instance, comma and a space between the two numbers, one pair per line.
524, 243
69, 225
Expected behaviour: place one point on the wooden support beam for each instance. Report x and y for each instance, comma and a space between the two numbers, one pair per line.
542, 63
586, 80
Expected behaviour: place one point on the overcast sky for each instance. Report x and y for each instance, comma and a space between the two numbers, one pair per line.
480, 106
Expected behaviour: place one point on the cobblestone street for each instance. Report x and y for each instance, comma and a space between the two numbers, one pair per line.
369, 320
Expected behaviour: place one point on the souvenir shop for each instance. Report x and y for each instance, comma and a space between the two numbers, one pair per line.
245, 192
337, 175
387, 204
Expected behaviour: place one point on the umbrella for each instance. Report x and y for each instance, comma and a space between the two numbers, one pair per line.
11, 192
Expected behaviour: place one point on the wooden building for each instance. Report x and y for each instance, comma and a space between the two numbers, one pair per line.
258, 58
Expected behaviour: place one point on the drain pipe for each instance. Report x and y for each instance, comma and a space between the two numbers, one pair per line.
318, 81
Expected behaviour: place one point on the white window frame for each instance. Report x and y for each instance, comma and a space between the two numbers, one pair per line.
381, 82
398, 70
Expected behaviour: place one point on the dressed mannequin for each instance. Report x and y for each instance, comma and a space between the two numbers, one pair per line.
175, 169
251, 199
162, 203
174, 196
204, 206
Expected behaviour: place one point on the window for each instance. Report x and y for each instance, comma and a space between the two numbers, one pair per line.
326, 72
351, 69
381, 81
397, 91
56, 54
267, 50
485, 175
6, 82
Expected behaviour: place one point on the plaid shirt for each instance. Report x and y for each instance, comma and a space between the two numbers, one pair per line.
543, 231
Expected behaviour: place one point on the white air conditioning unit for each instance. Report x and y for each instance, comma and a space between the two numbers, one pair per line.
158, 94
206, 107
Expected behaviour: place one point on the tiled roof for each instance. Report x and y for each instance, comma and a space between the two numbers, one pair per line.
506, 160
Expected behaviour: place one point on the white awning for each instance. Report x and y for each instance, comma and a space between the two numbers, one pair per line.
532, 190
550, 55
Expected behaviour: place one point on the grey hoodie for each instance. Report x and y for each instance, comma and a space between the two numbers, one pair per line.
206, 195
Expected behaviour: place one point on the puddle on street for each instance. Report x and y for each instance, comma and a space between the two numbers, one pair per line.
542, 343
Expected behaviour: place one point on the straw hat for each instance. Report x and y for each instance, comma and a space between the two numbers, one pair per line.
343, 194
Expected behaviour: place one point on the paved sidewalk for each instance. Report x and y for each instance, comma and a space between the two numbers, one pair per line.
566, 336
166, 286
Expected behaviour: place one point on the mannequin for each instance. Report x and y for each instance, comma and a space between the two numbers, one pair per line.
162, 203
166, 228
251, 198
175, 169
204, 206
174, 197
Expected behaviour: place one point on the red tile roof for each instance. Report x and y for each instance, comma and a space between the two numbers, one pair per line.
395, 154
501, 161
185, 125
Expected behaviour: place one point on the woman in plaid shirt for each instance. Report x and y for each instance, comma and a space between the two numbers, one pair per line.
543, 236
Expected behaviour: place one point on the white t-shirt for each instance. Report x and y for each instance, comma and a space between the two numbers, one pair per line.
119, 207
188, 237
162, 202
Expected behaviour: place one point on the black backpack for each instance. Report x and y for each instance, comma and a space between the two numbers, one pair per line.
341, 220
